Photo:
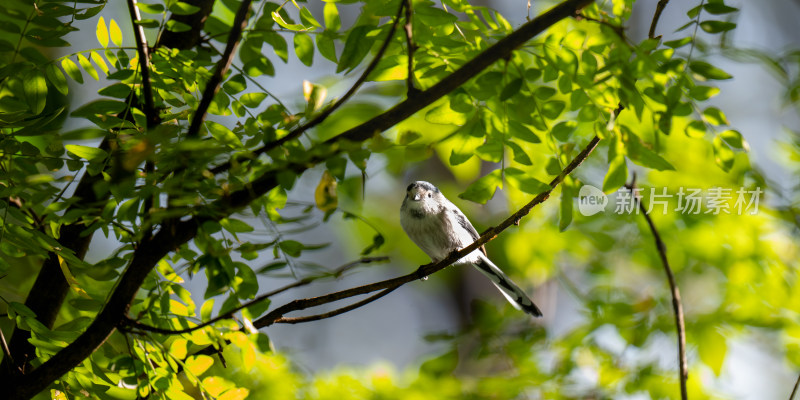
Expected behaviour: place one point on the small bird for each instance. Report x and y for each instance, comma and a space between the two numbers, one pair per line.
439, 228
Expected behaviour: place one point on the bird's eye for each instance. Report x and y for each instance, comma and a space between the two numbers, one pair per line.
430, 194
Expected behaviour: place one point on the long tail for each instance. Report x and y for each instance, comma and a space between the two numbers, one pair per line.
509, 289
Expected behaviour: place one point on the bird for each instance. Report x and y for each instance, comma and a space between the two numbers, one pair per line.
439, 228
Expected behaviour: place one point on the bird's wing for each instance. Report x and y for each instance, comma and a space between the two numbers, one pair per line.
464, 222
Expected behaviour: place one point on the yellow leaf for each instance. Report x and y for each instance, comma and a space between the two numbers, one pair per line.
325, 195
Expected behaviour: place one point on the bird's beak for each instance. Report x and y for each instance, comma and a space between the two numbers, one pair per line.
417, 196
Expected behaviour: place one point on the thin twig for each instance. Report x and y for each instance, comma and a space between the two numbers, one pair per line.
7, 352
128, 322
239, 23
338, 311
144, 62
294, 134
659, 9
677, 307
426, 270
411, 90
794, 391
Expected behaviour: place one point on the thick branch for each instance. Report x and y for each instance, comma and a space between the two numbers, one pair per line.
239, 23
659, 9
677, 307
277, 314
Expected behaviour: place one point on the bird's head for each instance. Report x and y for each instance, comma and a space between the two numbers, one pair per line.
423, 197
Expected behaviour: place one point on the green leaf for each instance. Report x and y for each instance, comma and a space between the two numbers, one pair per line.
72, 70
522, 132
331, 17
235, 84
56, 78
98, 60
235, 226
117, 90
563, 130
703, 93
356, 48
552, 109
524, 182
642, 155
88, 67
617, 174
35, 89
696, 129
715, 116
308, 19
115, 32
712, 348
719, 8
102, 32
565, 207
723, 155
708, 71
326, 46
717, 26
86, 152
483, 189
544, 92
223, 134
304, 48
735, 140
491, 151
253, 100
292, 248
177, 26
519, 153
511, 89
465, 143
151, 8
148, 23
181, 8
292, 27
198, 364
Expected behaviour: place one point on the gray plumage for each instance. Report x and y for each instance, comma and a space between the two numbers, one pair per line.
438, 227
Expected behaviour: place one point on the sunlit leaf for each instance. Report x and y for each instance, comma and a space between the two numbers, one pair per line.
102, 32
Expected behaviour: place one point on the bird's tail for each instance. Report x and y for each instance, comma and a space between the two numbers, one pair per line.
509, 289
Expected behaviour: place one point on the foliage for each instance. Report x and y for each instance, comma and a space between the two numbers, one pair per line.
186, 175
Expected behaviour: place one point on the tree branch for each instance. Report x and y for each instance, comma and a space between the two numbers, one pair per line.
144, 64
338, 311
239, 23
677, 307
794, 390
294, 134
659, 9
410, 88
7, 352
277, 314
227, 315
